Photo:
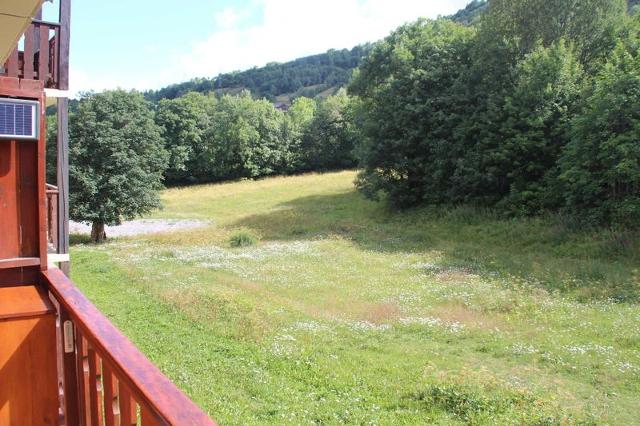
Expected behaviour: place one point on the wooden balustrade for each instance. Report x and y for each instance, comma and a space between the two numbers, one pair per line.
53, 196
106, 379
39, 57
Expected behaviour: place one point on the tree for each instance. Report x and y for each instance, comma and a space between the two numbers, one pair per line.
117, 159
539, 110
410, 103
245, 139
295, 126
589, 24
185, 121
330, 136
601, 164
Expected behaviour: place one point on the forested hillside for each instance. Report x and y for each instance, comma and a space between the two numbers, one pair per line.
307, 76
471, 13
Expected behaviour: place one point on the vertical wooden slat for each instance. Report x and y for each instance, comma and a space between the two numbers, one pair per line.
63, 180
93, 387
43, 56
128, 410
53, 55
110, 395
100, 389
13, 64
82, 368
29, 52
147, 417
70, 378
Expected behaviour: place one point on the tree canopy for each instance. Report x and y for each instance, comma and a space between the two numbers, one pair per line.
117, 159
532, 109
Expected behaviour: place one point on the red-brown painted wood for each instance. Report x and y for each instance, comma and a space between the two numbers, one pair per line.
29, 53
13, 63
128, 416
9, 225
150, 387
82, 368
43, 55
28, 191
28, 385
69, 376
22, 190
110, 395
42, 185
94, 373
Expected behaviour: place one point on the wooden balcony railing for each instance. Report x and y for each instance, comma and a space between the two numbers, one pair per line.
38, 60
43, 53
106, 380
53, 196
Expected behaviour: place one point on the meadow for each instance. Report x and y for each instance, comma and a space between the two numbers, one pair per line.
302, 302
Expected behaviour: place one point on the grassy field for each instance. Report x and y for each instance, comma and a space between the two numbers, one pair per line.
346, 312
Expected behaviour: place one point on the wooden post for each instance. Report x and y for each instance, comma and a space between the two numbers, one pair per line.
63, 181
63, 46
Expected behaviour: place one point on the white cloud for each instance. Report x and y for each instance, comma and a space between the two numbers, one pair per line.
288, 29
293, 28
227, 18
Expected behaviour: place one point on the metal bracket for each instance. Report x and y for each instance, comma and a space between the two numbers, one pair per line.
69, 341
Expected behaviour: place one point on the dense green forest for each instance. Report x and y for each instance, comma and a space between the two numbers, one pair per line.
307, 76
536, 109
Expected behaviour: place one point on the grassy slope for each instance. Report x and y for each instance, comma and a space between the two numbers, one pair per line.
348, 312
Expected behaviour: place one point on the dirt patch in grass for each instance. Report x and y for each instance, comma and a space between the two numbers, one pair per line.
468, 317
380, 313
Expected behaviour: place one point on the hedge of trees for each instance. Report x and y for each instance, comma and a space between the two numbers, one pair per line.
534, 109
212, 138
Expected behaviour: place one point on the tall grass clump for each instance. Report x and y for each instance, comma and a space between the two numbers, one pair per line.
243, 238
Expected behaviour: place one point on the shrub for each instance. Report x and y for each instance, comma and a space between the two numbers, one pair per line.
243, 238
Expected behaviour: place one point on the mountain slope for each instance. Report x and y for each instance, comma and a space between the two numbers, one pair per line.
307, 76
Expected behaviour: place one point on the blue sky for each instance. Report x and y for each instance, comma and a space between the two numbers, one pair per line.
146, 44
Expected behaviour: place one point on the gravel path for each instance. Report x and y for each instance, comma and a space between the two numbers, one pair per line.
140, 227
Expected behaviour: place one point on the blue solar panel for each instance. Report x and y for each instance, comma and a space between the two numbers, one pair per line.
17, 119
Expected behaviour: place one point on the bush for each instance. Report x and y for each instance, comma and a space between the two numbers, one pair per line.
601, 165
243, 238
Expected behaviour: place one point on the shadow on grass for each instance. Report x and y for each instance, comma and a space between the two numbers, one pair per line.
75, 239
539, 251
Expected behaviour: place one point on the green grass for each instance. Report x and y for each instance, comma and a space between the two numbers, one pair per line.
347, 312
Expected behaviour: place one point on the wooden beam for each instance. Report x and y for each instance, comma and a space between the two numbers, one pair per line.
19, 262
63, 180
63, 46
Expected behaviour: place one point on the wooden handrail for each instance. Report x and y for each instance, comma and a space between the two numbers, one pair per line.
103, 354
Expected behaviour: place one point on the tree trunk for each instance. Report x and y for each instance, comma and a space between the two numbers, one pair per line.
98, 235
